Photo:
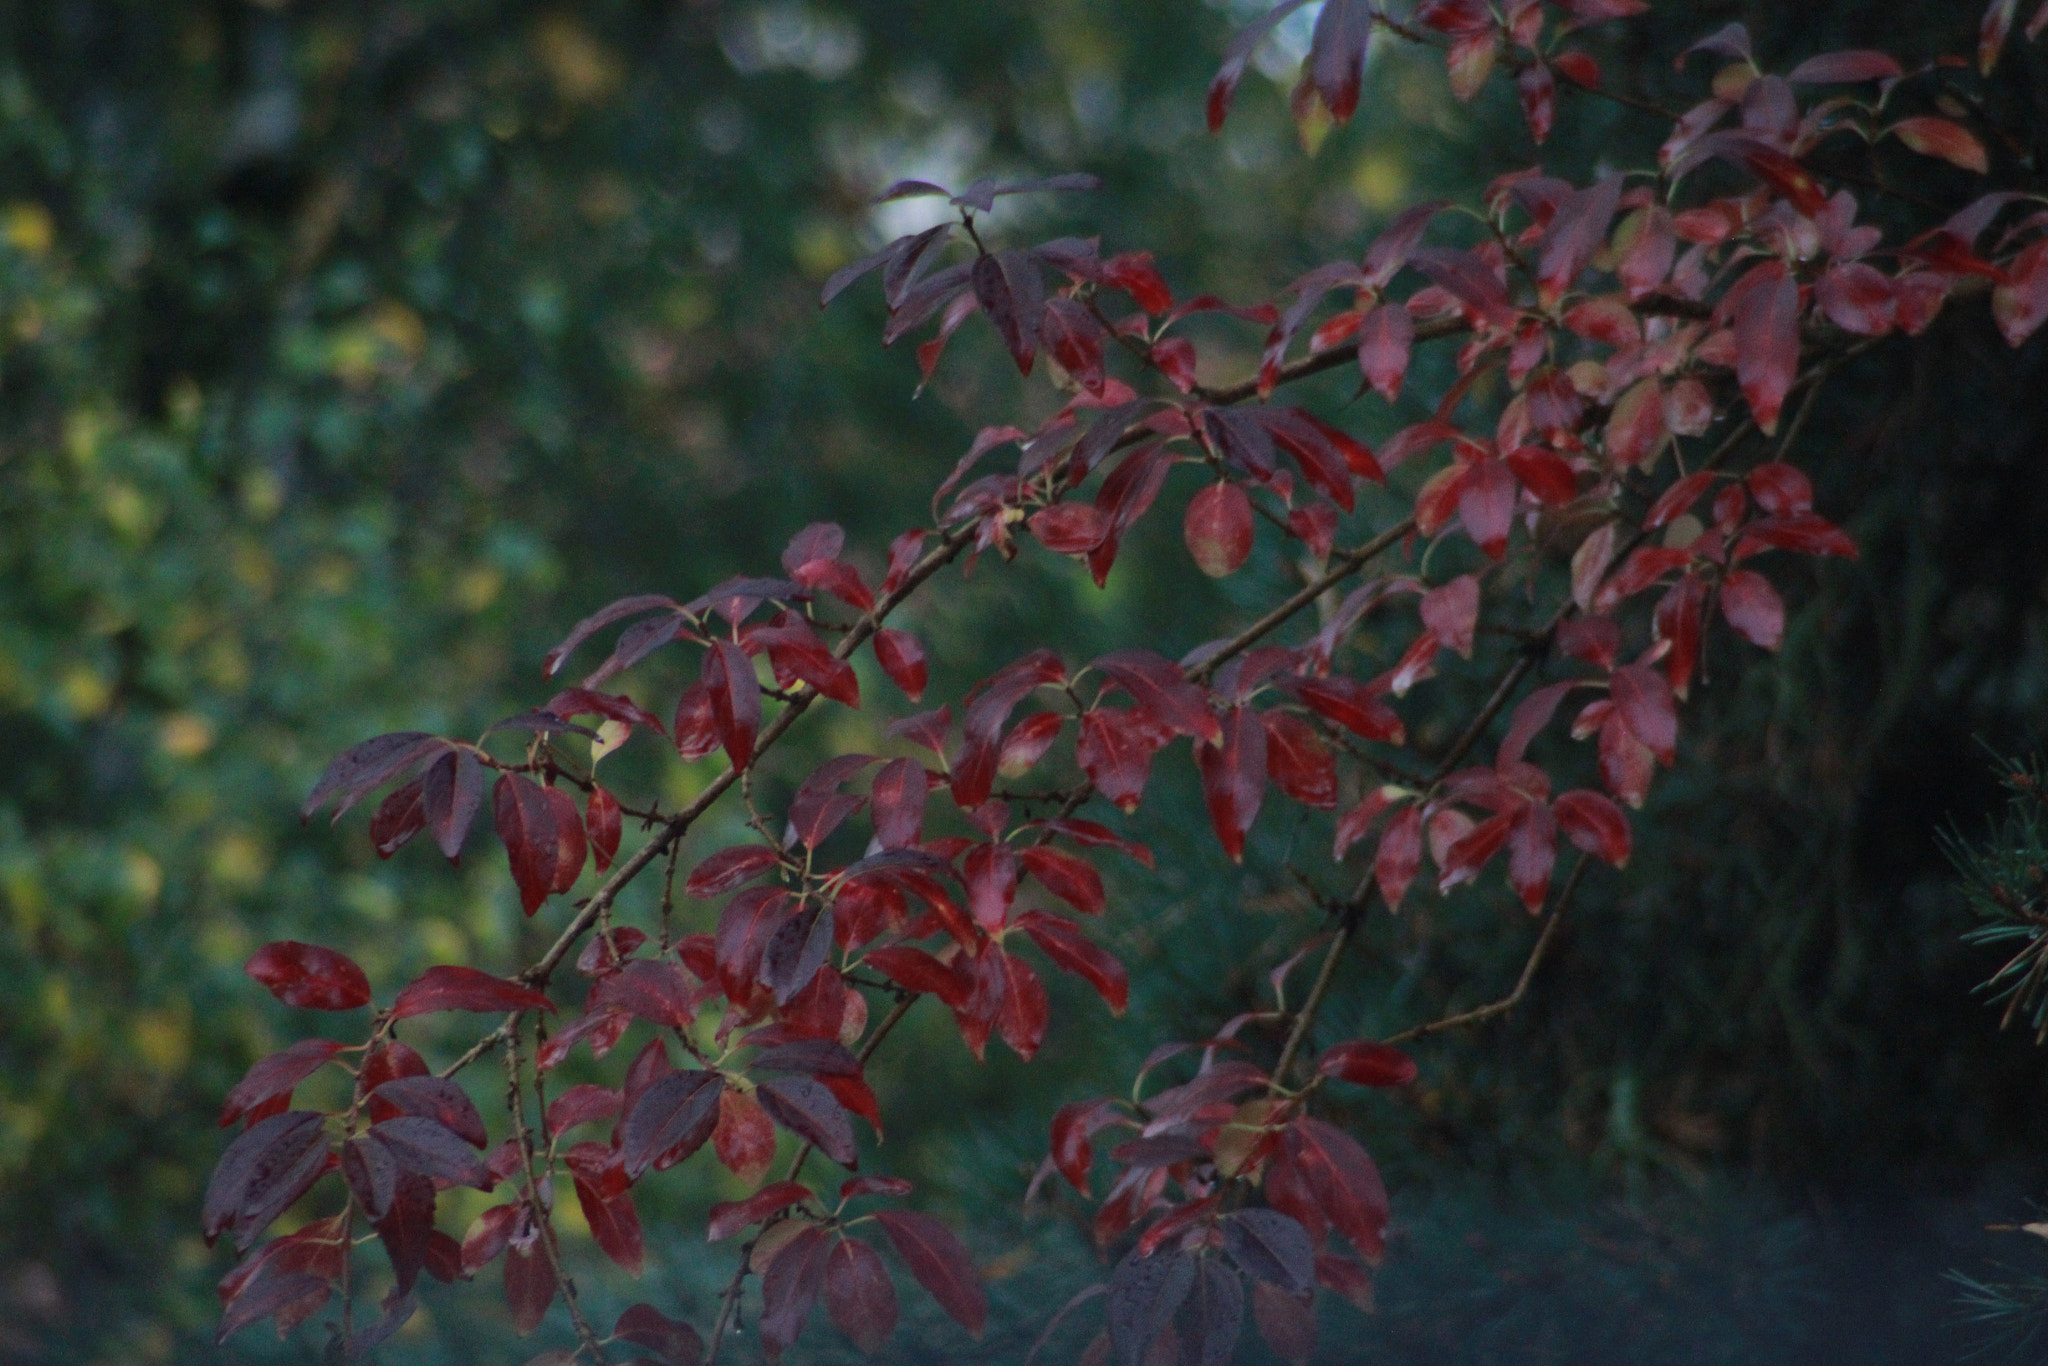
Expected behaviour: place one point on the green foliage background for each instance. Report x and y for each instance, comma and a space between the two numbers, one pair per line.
349, 351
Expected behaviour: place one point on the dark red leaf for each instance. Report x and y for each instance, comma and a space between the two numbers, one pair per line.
1577, 230
859, 1295
1366, 1064
790, 1286
276, 1076
1594, 824
361, 769
1272, 1248
1072, 879
811, 1112
1237, 55
1023, 1012
1643, 701
918, 971
529, 1283
735, 699
1234, 778
526, 823
1858, 298
1064, 943
732, 1216
676, 1343
1351, 705
729, 868
1400, 855
308, 976
1944, 138
571, 848
1218, 529
584, 1103
452, 987
1753, 608
940, 1264
1298, 762
1145, 1293
262, 1173
1766, 321
399, 817
669, 1120
602, 815
1343, 1181
435, 1098
745, 1137
1385, 338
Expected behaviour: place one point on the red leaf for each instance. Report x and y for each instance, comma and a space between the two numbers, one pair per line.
275, 1076
1677, 499
1134, 274
1451, 612
308, 976
613, 1223
1486, 505
526, 823
896, 803
584, 1103
1544, 473
1858, 298
1237, 55
940, 1264
1234, 778
1342, 1180
859, 1295
435, 1098
1023, 1012
674, 1342
1352, 705
1068, 877
1218, 529
451, 790
1298, 763
1367, 1064
1070, 528
1626, 763
602, 815
735, 699
1075, 340
805, 1108
529, 1284
1577, 230
1643, 701
570, 846
1537, 90
919, 971
1064, 943
1472, 851
745, 1137
902, 658
1753, 608
458, 988
790, 1286
1532, 855
1594, 824
668, 1121
1767, 339
1943, 138
732, 1216
263, 1173
729, 868
1400, 855
2020, 302
361, 769
1156, 685
1833, 68
399, 817
975, 770
1385, 339
694, 729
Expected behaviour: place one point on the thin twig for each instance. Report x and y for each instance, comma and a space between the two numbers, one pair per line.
1513, 998
515, 1102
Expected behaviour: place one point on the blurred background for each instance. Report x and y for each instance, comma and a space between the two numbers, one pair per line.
352, 349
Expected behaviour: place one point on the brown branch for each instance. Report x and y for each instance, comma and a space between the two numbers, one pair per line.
1513, 998
515, 1101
